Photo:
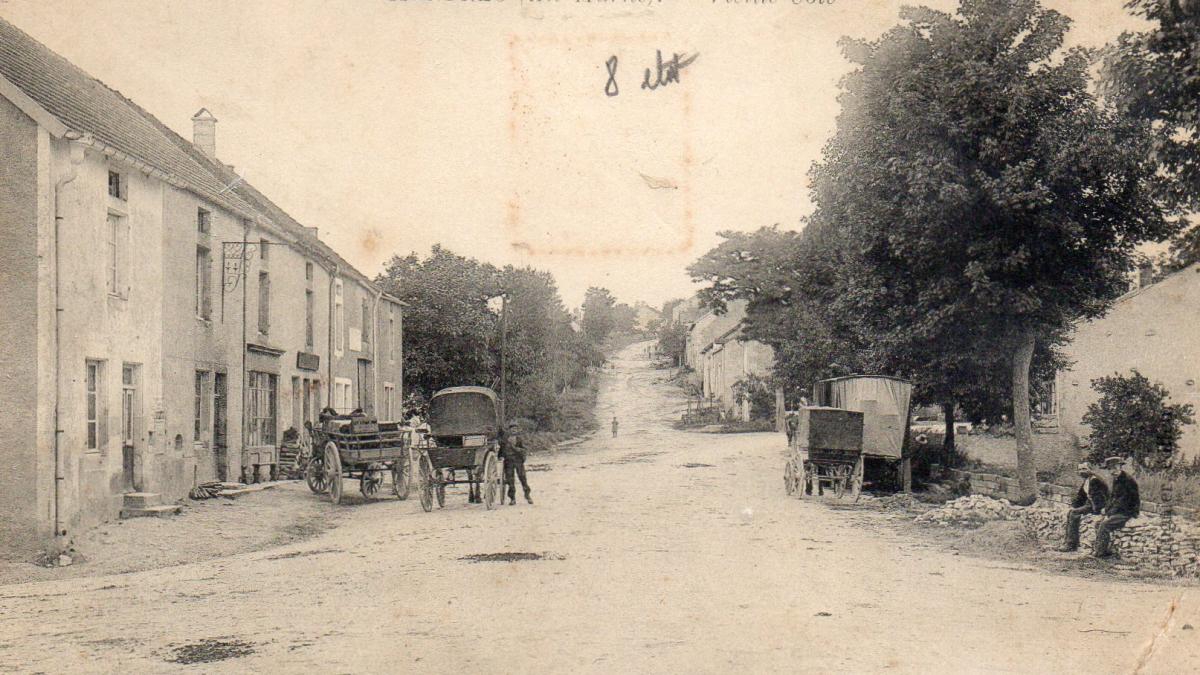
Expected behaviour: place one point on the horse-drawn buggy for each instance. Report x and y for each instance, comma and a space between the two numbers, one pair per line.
462, 448
854, 419
356, 446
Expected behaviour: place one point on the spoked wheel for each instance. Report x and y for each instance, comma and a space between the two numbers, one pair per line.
333, 472
400, 475
491, 480
441, 490
314, 475
789, 477
370, 481
841, 479
425, 482
856, 480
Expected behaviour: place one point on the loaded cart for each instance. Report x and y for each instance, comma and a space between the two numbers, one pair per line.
855, 419
464, 447
357, 446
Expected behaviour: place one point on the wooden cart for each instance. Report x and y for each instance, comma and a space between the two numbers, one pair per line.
464, 447
358, 447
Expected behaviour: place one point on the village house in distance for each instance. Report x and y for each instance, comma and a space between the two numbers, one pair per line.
164, 322
720, 357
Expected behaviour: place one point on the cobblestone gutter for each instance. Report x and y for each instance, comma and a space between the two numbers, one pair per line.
1168, 545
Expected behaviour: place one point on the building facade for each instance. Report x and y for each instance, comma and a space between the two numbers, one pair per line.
1155, 329
720, 358
164, 322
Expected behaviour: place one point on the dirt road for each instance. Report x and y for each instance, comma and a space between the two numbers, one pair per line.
662, 551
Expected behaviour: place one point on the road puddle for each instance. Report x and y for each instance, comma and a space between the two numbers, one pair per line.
510, 556
209, 651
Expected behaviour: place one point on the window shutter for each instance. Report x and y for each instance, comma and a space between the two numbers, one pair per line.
125, 257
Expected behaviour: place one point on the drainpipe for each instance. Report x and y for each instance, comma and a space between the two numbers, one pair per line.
333, 276
76, 158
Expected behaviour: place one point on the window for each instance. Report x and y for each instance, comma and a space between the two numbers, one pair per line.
342, 388
116, 185
393, 338
339, 318
203, 221
112, 254
263, 390
308, 271
308, 319
128, 403
94, 388
203, 283
366, 321
201, 405
389, 401
263, 246
264, 303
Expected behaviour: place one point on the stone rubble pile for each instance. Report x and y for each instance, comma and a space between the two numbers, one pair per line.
971, 510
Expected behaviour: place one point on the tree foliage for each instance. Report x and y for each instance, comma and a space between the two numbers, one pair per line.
1154, 75
598, 319
1133, 418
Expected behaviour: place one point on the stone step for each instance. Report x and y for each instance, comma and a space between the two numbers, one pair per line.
141, 500
160, 511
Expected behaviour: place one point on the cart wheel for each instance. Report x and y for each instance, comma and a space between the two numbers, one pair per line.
441, 490
856, 480
401, 471
333, 472
841, 477
789, 477
425, 481
314, 475
491, 480
370, 481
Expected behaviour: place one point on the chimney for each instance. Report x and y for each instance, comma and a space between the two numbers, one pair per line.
204, 132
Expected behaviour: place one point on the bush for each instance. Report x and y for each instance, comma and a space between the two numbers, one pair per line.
1134, 419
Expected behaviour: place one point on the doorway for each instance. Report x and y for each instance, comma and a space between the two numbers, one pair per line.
220, 424
365, 389
129, 426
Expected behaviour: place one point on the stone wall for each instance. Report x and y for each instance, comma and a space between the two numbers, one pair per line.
1152, 542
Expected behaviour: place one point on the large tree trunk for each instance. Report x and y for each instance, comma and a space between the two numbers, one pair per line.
1022, 426
948, 442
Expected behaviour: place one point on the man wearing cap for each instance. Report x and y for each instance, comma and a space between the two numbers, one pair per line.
512, 451
1091, 498
1123, 503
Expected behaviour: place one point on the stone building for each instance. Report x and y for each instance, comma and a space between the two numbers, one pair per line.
164, 322
720, 357
1155, 329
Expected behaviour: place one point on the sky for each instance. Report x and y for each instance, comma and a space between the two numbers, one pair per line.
487, 127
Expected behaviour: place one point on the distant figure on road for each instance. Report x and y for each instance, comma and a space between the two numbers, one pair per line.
1091, 498
512, 451
1123, 503
615, 424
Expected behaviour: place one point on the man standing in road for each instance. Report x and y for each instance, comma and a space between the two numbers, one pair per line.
1123, 503
614, 426
512, 451
1091, 498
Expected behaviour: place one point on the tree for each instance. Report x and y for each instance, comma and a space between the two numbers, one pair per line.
1154, 75
598, 319
986, 198
672, 340
1132, 418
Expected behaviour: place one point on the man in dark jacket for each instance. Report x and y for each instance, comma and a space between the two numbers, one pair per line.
1123, 503
512, 451
1091, 498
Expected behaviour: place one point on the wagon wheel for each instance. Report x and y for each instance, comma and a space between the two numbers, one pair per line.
333, 472
789, 477
841, 476
370, 481
491, 480
425, 481
401, 472
314, 475
303, 453
856, 479
441, 491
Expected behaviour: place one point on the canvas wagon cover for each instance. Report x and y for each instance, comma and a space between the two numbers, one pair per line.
882, 400
462, 411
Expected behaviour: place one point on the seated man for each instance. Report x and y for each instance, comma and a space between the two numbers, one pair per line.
1123, 503
1091, 498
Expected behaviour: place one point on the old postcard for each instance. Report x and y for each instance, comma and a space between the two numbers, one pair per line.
604, 336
